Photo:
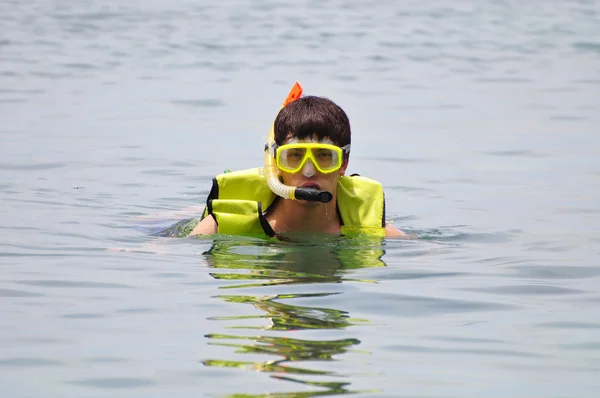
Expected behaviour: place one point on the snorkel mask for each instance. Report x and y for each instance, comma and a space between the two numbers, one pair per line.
284, 157
308, 157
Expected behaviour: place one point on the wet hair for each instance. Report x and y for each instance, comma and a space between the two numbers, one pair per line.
312, 117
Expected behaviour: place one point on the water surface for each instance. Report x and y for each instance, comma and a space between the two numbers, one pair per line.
480, 119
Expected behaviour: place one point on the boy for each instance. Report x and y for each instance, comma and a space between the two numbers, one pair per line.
311, 150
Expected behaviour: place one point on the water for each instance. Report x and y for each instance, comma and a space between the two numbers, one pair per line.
479, 118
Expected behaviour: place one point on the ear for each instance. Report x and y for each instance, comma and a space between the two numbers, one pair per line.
344, 167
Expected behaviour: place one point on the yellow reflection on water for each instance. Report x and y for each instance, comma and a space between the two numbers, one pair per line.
260, 264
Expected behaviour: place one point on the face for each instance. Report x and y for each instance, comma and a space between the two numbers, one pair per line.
309, 176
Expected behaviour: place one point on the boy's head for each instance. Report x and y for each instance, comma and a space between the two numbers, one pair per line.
312, 117
317, 120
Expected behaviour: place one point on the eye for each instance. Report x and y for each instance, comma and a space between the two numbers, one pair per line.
324, 154
296, 153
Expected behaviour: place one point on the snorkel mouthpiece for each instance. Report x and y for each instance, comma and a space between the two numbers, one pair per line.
313, 195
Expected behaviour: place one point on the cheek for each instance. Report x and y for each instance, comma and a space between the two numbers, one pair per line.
332, 178
288, 178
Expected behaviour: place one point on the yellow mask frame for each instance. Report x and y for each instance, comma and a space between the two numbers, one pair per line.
320, 154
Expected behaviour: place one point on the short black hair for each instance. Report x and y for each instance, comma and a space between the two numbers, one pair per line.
312, 117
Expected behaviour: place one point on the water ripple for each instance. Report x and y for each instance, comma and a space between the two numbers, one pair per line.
38, 166
521, 152
73, 284
467, 351
417, 306
593, 47
407, 275
106, 360
83, 316
28, 362
526, 290
570, 325
201, 103
587, 346
558, 272
114, 383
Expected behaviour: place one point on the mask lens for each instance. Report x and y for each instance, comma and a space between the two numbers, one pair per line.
327, 159
291, 158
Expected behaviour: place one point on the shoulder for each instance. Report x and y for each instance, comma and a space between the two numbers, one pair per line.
205, 227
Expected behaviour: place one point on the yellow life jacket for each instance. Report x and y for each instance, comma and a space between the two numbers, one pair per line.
239, 199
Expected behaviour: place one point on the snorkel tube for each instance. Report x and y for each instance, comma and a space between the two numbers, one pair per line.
278, 188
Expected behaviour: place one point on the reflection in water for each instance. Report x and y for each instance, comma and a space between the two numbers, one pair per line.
268, 263
291, 317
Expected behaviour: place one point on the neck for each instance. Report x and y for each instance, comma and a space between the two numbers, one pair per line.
302, 216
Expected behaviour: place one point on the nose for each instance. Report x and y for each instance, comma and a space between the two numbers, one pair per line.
309, 169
